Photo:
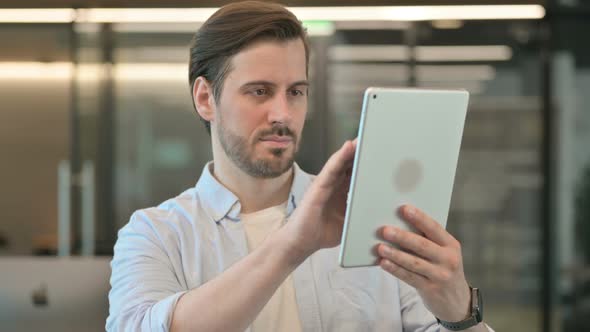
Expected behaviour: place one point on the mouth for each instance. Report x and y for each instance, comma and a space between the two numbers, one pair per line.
275, 141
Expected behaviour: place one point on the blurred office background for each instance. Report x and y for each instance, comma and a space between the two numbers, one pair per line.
96, 121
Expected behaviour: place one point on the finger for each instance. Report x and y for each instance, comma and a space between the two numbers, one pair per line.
336, 166
415, 280
421, 221
415, 243
409, 262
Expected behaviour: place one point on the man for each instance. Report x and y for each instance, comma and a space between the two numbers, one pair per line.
252, 245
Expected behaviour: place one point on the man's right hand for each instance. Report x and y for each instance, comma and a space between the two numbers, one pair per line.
316, 223
318, 220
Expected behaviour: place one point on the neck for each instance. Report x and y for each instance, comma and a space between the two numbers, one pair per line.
255, 194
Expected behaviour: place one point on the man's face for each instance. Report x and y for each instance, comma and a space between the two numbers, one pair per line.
261, 110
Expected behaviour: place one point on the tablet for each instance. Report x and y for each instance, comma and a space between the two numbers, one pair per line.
407, 151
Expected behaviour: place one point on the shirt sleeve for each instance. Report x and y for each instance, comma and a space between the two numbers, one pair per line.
144, 286
415, 315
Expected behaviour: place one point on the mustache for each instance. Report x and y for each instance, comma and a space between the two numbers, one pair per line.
278, 130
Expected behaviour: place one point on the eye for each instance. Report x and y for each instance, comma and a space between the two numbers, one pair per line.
296, 92
260, 92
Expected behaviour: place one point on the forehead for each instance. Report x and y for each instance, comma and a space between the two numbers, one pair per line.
270, 60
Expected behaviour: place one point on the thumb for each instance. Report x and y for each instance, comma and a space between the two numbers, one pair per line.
337, 165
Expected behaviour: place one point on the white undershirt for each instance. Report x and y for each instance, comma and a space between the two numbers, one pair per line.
280, 313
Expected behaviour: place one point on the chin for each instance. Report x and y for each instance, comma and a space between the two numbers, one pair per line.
270, 167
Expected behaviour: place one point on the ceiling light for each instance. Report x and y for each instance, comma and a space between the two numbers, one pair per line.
186, 27
336, 13
420, 13
368, 53
151, 71
58, 15
371, 74
384, 53
130, 15
371, 25
439, 73
90, 72
35, 70
464, 53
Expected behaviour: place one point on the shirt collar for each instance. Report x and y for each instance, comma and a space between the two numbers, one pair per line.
220, 203
217, 200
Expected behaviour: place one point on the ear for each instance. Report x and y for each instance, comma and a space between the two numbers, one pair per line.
204, 100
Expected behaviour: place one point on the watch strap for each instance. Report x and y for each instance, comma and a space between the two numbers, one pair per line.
459, 326
476, 314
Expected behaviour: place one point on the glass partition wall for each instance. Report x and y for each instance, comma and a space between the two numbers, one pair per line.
103, 125
569, 97
498, 188
35, 117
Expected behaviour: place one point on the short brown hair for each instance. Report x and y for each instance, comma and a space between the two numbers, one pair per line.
231, 29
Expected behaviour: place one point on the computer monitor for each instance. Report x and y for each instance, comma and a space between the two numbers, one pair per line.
54, 294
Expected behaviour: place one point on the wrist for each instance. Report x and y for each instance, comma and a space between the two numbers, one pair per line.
459, 306
292, 253
473, 320
463, 308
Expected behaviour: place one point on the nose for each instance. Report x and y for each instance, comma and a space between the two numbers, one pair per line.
280, 110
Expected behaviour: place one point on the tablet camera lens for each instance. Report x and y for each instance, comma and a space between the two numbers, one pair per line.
374, 96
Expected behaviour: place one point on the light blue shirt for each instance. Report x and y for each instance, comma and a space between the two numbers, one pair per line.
165, 251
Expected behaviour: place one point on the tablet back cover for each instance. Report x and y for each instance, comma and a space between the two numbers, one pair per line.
408, 147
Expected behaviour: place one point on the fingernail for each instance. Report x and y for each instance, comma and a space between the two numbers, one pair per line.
410, 212
391, 232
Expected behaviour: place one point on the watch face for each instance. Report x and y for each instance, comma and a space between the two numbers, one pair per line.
477, 307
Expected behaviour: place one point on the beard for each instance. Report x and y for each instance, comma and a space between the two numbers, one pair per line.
242, 153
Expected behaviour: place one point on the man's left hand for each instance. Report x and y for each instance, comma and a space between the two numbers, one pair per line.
430, 262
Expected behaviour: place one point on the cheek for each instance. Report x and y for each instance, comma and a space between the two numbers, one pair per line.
249, 120
300, 119
240, 120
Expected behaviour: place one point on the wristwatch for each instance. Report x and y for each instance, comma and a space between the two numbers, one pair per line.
476, 313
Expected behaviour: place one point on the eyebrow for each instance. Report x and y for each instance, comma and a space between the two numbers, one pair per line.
268, 83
